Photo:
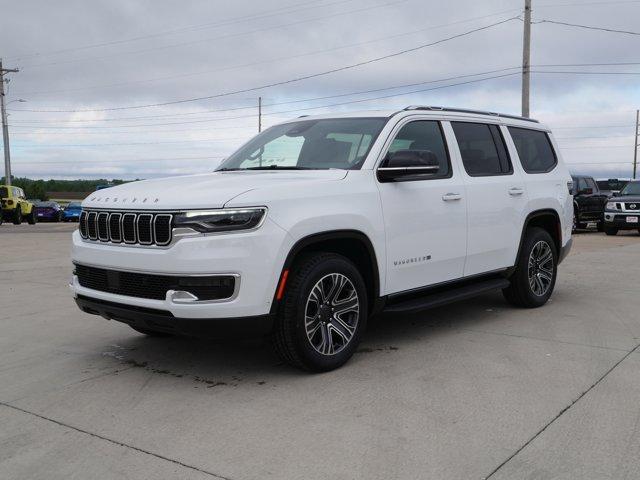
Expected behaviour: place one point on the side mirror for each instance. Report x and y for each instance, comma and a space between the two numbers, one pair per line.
406, 165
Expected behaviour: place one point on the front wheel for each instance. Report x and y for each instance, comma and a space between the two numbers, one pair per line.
323, 313
611, 231
32, 218
534, 279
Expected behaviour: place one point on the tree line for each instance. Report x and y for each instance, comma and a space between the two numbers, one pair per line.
39, 188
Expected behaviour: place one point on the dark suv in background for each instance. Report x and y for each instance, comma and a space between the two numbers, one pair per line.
623, 211
611, 186
588, 202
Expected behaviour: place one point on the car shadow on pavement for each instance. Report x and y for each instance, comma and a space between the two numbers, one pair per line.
231, 363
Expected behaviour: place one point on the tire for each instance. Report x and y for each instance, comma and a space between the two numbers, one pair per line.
330, 339
534, 262
150, 333
612, 231
601, 226
17, 216
32, 218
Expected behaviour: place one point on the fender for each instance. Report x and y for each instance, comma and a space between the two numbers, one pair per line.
532, 216
321, 237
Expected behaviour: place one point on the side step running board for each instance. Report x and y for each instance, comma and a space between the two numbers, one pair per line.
454, 294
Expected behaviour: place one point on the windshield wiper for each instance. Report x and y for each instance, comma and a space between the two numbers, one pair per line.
276, 167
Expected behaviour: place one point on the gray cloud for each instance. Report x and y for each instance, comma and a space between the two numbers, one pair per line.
225, 46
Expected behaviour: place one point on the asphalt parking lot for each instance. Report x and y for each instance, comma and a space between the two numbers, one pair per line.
469, 391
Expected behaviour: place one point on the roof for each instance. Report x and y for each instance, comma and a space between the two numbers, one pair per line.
457, 113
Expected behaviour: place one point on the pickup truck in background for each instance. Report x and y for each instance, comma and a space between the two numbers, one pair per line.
588, 203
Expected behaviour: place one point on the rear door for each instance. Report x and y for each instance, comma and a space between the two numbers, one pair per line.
425, 219
496, 197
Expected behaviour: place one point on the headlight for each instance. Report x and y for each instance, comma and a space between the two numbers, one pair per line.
612, 206
224, 220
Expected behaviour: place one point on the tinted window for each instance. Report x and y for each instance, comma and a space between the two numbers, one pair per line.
592, 184
482, 149
4, 192
424, 135
534, 149
582, 184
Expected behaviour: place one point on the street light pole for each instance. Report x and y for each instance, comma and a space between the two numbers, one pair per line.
5, 127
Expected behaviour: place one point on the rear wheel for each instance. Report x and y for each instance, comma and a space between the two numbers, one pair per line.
17, 216
323, 313
534, 279
610, 231
32, 218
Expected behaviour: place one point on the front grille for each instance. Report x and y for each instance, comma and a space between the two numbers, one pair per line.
632, 206
141, 228
154, 287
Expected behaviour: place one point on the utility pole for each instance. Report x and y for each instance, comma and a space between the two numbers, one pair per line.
526, 59
635, 145
5, 127
259, 114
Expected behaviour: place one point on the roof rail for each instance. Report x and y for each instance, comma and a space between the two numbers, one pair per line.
462, 110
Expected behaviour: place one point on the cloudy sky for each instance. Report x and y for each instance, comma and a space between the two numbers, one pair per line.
93, 73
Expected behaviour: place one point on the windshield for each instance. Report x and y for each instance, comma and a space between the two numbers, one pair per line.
632, 188
309, 144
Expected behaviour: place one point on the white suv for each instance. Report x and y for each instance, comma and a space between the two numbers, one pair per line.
320, 222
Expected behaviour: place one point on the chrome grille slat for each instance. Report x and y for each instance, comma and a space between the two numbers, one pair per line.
144, 228
131, 228
115, 227
92, 228
102, 223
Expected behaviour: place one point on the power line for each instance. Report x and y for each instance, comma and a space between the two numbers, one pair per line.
588, 27
129, 143
262, 62
325, 97
222, 37
300, 109
186, 29
284, 82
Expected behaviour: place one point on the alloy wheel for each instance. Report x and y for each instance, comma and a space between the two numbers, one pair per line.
331, 314
540, 268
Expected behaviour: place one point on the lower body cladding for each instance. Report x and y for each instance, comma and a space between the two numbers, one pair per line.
622, 220
212, 286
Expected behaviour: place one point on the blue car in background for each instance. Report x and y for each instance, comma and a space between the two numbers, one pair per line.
72, 212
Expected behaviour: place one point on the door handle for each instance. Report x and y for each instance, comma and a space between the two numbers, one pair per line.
451, 197
515, 191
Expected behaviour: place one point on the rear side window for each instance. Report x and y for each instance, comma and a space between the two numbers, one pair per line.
534, 149
482, 148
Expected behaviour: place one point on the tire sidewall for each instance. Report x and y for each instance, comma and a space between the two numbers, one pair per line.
315, 360
534, 236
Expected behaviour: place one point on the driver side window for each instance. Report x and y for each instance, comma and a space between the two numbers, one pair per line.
424, 135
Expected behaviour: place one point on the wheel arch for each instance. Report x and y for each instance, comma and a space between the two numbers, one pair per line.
353, 244
548, 219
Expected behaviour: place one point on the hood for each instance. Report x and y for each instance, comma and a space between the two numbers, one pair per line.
210, 190
626, 199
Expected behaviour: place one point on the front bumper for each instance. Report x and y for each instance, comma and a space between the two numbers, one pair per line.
254, 257
620, 220
164, 321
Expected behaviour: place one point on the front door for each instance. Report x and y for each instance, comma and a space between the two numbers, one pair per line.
425, 218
